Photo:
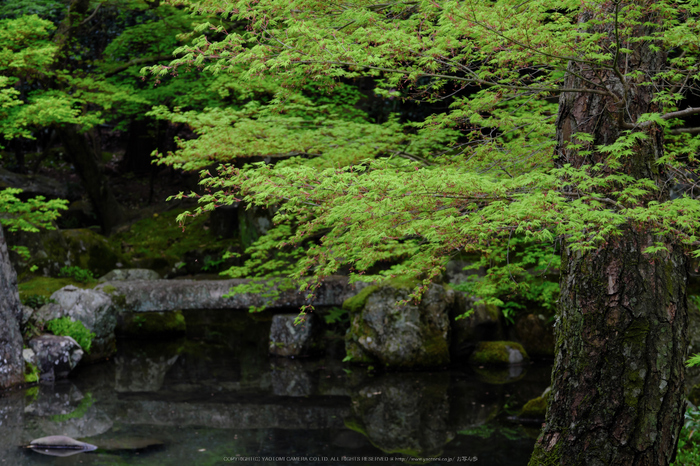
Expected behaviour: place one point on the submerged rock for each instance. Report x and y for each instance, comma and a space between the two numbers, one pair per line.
59, 445
93, 308
498, 352
288, 339
56, 356
129, 443
409, 335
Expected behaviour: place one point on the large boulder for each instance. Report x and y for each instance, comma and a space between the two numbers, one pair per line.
92, 251
93, 308
55, 356
51, 250
400, 335
290, 339
11, 360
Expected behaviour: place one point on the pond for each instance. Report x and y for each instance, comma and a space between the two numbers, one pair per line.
216, 397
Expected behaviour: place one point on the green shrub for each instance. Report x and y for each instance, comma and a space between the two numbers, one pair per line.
35, 301
75, 329
78, 274
689, 440
31, 373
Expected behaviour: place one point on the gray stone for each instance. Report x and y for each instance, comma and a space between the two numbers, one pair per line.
27, 312
29, 356
287, 339
130, 274
93, 308
56, 356
166, 295
409, 335
11, 361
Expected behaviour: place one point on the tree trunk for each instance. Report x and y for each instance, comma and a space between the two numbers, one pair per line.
83, 157
108, 210
618, 383
11, 360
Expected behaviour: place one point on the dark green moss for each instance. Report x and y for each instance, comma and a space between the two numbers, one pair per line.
147, 324
535, 408
357, 302
46, 286
495, 352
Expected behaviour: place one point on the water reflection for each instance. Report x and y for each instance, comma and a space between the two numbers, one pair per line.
218, 394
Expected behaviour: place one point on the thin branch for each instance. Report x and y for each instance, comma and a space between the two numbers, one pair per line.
91, 16
455, 78
136, 61
695, 130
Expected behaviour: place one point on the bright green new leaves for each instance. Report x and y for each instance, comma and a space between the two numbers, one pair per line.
353, 194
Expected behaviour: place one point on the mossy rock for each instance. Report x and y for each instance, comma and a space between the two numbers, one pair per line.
92, 251
357, 302
535, 409
159, 243
498, 353
149, 324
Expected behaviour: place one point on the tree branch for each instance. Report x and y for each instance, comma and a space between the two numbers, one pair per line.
136, 61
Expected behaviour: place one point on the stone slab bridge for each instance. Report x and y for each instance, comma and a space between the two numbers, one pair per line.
170, 295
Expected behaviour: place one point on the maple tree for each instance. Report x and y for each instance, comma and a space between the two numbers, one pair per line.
568, 121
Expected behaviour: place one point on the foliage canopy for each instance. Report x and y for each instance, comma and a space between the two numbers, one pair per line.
403, 196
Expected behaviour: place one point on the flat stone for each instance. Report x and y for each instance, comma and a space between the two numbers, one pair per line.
166, 295
130, 274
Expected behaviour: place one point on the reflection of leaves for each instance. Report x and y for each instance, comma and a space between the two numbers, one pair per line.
78, 412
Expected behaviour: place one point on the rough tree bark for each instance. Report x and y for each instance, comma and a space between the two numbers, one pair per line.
11, 361
618, 384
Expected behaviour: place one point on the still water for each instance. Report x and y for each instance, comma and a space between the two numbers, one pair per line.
215, 397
